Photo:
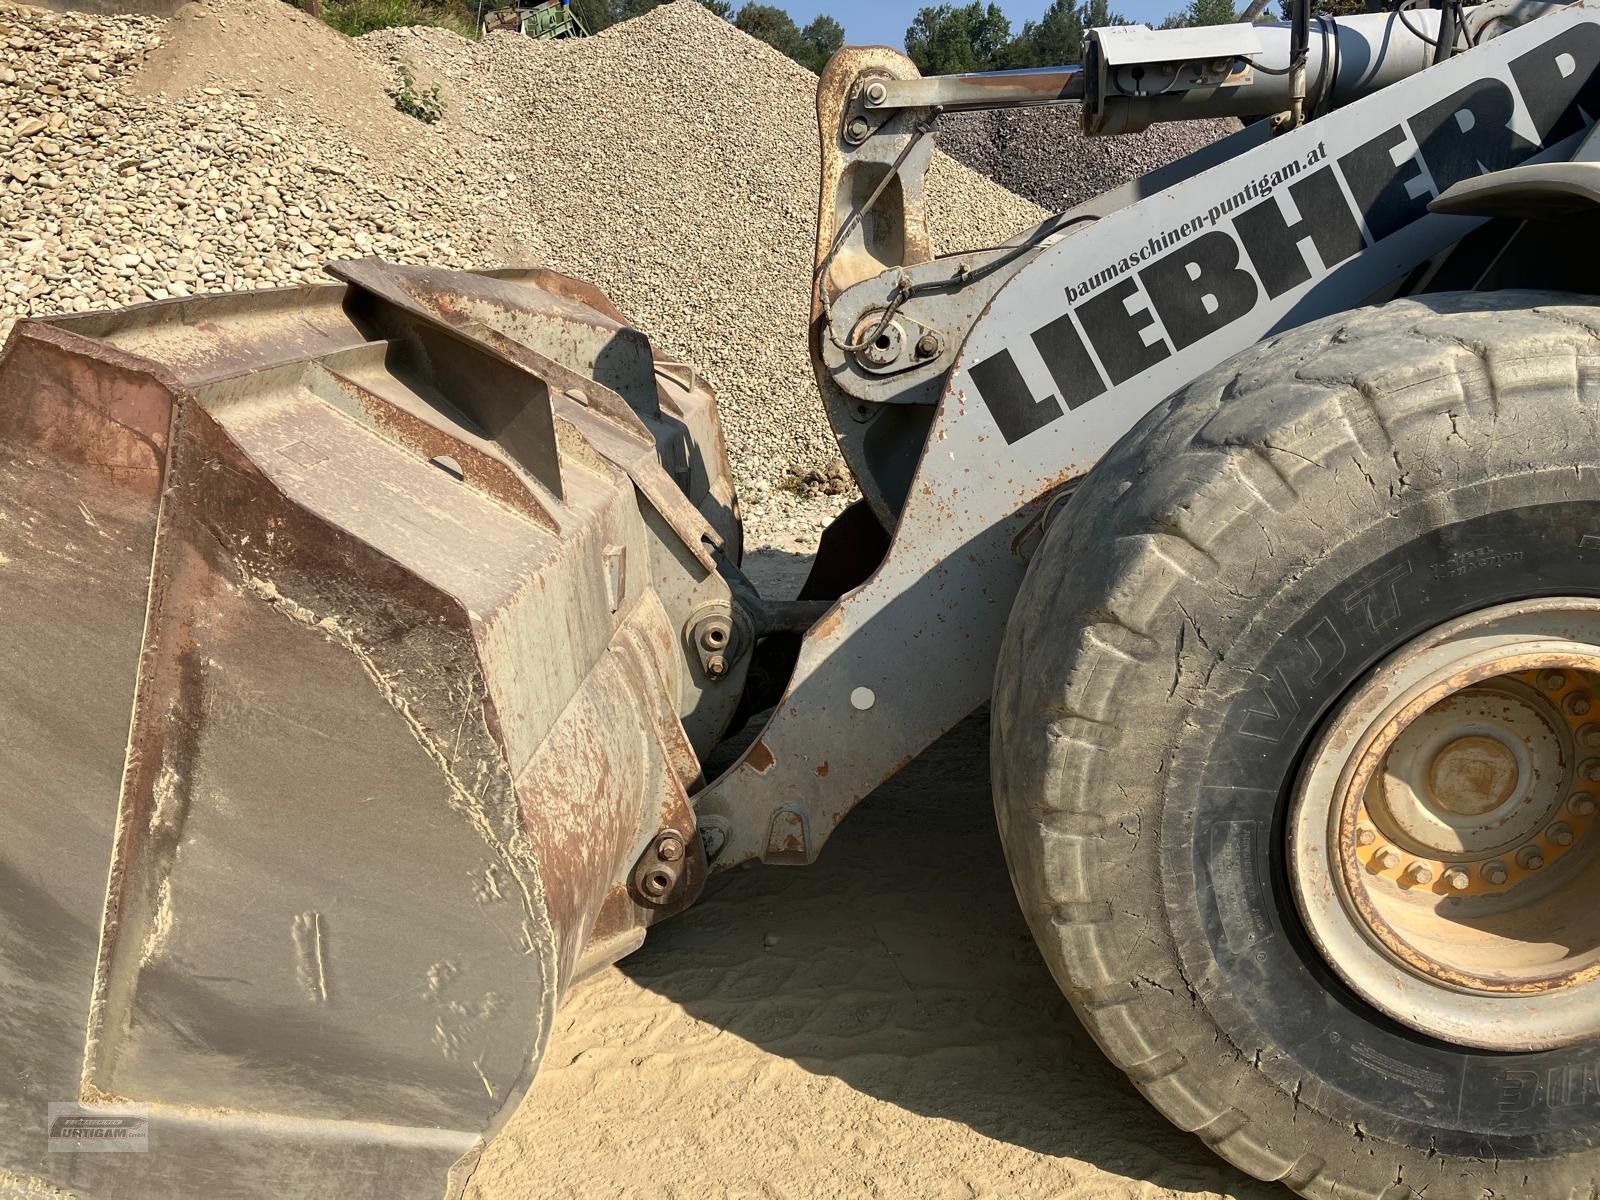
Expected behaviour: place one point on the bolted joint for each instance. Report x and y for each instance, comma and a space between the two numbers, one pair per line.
659, 871
713, 636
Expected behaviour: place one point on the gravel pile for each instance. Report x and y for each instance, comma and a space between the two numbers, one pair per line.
673, 160
110, 198
1041, 153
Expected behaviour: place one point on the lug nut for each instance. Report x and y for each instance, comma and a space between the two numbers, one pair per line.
1529, 858
1560, 833
1419, 873
1494, 873
1589, 769
1365, 836
1581, 804
1589, 737
1577, 704
1386, 859
1457, 880
1552, 681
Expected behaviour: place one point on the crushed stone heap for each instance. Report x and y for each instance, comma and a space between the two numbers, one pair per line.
1042, 154
111, 197
673, 160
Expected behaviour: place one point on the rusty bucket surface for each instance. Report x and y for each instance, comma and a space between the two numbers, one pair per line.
338, 703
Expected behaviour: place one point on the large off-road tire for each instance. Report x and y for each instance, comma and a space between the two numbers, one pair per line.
1267, 544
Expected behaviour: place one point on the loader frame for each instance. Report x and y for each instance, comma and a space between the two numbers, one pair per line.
378, 635
1037, 356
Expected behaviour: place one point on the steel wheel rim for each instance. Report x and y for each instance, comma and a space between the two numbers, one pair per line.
1444, 848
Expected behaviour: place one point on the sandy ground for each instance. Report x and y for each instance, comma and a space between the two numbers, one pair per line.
877, 1025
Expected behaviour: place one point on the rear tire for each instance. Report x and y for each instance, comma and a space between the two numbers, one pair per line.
1216, 589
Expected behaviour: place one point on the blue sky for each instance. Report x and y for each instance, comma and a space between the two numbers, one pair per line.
886, 21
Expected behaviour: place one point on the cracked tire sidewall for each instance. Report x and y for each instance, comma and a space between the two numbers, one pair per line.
1227, 573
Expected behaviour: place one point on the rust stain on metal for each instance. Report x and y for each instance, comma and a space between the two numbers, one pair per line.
1371, 759
786, 837
759, 757
828, 627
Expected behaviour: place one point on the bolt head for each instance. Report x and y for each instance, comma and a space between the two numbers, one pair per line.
1560, 833
1552, 681
1578, 704
1494, 873
876, 93
1529, 858
1457, 880
857, 130
928, 345
1581, 804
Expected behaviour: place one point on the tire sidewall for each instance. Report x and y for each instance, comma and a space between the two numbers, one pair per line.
1226, 893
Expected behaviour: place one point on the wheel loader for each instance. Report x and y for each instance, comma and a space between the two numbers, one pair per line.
365, 646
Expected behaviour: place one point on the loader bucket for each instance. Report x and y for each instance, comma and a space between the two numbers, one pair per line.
316, 649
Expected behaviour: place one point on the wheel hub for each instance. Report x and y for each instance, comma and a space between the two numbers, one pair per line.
1442, 847
1472, 775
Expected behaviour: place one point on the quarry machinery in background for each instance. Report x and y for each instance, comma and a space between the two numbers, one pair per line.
544, 21
365, 646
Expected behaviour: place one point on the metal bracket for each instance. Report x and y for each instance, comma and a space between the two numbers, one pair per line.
660, 869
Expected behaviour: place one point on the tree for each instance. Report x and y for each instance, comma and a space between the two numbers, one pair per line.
1097, 14
1202, 12
595, 14
823, 37
1056, 38
776, 28
951, 39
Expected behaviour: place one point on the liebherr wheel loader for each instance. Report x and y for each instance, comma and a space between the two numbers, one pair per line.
364, 645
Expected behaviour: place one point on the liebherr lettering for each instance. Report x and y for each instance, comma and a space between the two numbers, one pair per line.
1185, 283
